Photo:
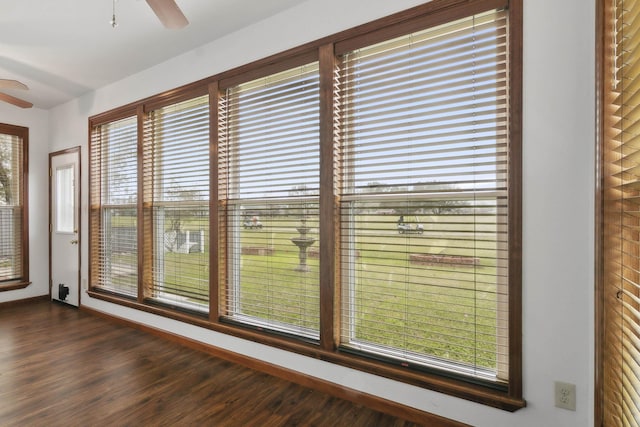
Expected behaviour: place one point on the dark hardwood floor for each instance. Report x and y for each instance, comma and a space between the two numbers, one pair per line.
63, 367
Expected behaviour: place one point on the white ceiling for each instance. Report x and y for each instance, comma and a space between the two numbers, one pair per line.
64, 48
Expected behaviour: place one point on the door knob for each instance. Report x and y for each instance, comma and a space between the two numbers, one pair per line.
74, 242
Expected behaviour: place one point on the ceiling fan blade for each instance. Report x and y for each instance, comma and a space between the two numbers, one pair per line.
169, 13
12, 84
15, 101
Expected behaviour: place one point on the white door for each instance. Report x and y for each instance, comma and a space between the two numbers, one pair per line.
64, 208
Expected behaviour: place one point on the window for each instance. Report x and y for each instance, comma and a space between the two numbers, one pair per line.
150, 232
424, 209
14, 240
618, 297
270, 182
65, 215
114, 200
356, 199
176, 203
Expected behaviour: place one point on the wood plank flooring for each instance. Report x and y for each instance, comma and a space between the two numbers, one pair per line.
62, 367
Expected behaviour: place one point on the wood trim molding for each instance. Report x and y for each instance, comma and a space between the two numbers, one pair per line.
430, 15
129, 110
280, 64
12, 286
356, 396
24, 301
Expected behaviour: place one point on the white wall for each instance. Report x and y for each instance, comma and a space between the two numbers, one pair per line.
558, 235
38, 123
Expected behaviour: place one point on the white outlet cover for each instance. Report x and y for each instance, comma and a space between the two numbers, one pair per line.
565, 395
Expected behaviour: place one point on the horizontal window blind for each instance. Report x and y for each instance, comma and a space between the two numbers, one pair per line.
393, 141
621, 314
114, 196
424, 199
12, 251
176, 203
269, 175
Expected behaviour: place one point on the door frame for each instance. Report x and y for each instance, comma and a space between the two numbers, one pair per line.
77, 150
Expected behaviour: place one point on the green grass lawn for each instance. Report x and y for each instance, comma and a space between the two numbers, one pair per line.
442, 311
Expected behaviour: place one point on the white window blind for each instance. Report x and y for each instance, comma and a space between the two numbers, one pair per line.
269, 177
424, 199
12, 250
176, 203
114, 196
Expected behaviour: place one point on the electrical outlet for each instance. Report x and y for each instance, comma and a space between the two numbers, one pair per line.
565, 395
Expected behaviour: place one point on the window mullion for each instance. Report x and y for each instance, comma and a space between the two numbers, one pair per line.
329, 250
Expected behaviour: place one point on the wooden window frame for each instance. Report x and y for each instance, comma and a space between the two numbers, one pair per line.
23, 134
237, 109
326, 51
97, 207
371, 77
152, 201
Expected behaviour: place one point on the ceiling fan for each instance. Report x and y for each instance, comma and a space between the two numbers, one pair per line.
13, 84
167, 12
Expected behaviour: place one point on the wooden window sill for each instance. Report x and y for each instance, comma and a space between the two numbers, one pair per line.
13, 285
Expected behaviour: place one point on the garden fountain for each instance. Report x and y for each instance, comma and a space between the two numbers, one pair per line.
303, 242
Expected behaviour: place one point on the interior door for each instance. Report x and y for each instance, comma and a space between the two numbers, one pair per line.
64, 226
